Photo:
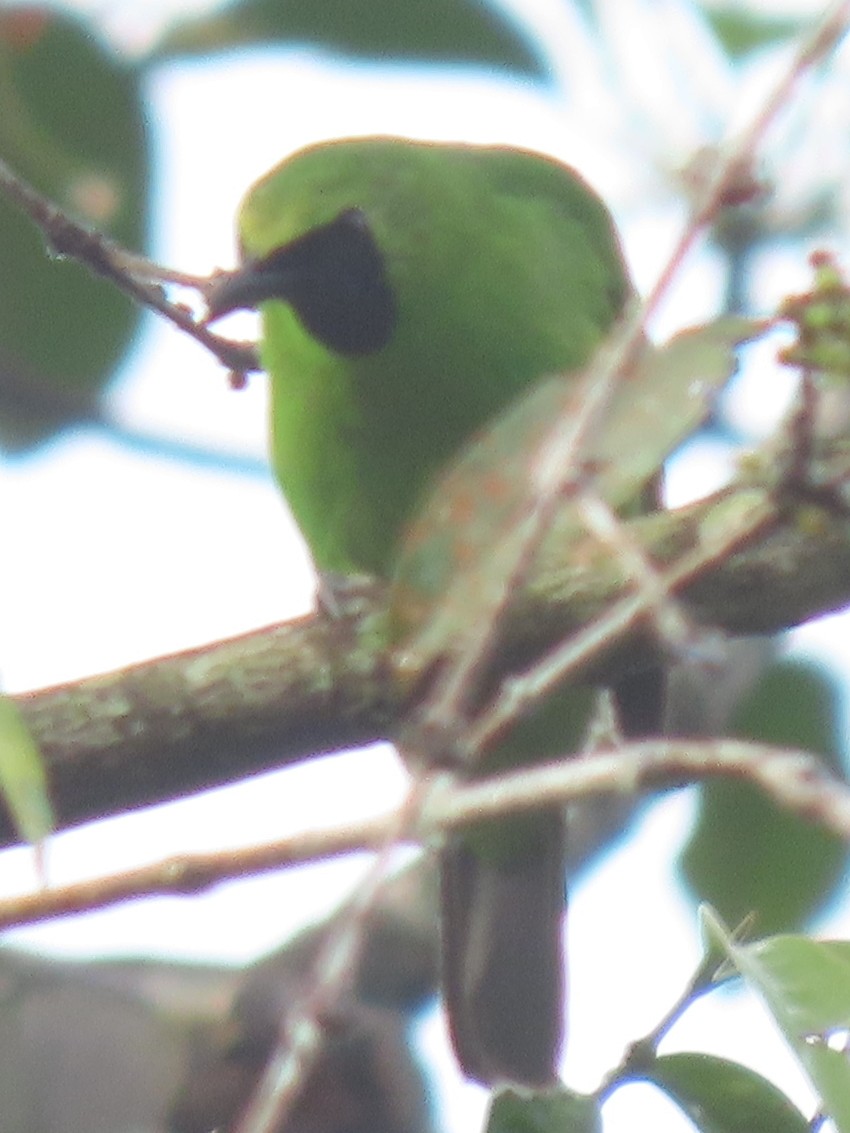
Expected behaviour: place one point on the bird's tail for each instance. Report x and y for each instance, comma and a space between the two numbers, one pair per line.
503, 962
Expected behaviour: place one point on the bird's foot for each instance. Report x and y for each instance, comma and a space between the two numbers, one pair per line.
344, 595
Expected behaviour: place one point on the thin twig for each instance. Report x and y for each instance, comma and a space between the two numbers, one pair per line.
795, 779
131, 274
517, 694
302, 1033
445, 709
672, 625
642, 1053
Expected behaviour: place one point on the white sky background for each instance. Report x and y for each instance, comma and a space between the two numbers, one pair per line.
124, 556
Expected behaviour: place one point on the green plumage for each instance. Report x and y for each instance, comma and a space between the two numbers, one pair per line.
504, 266
460, 275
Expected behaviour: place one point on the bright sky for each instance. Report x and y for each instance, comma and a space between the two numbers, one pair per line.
122, 556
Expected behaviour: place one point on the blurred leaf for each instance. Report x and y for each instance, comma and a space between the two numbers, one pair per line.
71, 123
23, 779
809, 980
741, 30
806, 986
440, 31
453, 555
821, 321
559, 1111
85, 1050
746, 854
725, 1097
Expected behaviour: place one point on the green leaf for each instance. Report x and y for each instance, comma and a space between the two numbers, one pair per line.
667, 398
23, 779
748, 855
559, 1111
805, 984
71, 123
725, 1097
742, 31
452, 559
441, 31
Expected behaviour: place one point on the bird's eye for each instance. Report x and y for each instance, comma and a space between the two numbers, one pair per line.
334, 279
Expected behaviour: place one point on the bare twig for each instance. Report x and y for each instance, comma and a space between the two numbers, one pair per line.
131, 274
516, 694
642, 1053
303, 1030
673, 627
794, 779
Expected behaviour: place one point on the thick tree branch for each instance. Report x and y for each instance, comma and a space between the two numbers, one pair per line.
207, 716
212, 715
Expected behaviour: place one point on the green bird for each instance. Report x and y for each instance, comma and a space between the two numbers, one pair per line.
409, 292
